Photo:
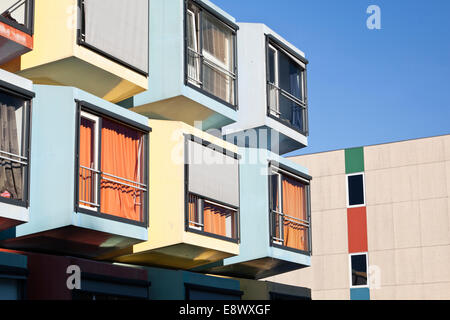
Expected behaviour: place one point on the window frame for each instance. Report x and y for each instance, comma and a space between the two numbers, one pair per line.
85, 107
96, 120
27, 97
367, 285
348, 190
28, 28
200, 51
275, 168
273, 43
202, 199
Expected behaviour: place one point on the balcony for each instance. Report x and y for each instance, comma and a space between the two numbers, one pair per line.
194, 204
273, 102
77, 45
15, 109
16, 28
275, 214
88, 186
193, 63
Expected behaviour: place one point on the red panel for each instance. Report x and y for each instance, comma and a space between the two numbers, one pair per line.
357, 230
15, 35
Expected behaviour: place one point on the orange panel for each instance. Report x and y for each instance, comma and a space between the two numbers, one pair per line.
15, 35
357, 230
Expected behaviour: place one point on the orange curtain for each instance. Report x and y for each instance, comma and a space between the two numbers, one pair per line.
121, 156
215, 219
294, 205
86, 179
193, 212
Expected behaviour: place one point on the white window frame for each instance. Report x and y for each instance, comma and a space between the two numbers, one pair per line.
275, 112
280, 207
348, 193
96, 121
192, 69
367, 285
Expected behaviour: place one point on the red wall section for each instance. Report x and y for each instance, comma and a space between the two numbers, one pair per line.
357, 230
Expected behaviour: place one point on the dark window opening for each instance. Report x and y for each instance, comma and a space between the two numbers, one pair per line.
359, 270
356, 190
286, 88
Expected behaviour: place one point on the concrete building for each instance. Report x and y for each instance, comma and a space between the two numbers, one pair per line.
380, 222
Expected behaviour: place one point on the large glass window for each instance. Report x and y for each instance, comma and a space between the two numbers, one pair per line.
289, 210
210, 54
111, 168
286, 88
14, 141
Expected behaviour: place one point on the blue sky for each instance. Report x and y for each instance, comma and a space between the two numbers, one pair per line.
365, 86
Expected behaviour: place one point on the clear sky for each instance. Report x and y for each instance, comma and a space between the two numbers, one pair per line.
365, 86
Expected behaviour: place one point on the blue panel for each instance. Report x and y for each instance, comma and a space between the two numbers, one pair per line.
10, 289
360, 294
13, 260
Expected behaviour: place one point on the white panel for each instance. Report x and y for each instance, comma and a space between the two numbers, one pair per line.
120, 29
213, 174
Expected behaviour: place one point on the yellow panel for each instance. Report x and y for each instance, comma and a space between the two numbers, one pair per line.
54, 32
57, 59
169, 109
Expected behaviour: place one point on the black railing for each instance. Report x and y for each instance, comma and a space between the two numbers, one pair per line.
18, 14
287, 108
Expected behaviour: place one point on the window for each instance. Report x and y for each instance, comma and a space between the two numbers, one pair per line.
117, 29
355, 190
212, 192
359, 267
112, 176
14, 149
289, 203
286, 87
210, 49
211, 217
18, 13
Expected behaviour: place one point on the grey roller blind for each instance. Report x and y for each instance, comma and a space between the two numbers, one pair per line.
213, 174
119, 28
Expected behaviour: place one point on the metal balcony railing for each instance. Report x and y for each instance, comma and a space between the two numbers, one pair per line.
211, 77
19, 14
283, 224
287, 108
90, 184
196, 217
